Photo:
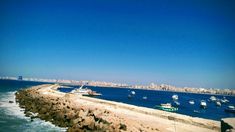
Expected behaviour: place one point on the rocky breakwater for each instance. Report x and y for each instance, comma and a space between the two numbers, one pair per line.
59, 110
79, 113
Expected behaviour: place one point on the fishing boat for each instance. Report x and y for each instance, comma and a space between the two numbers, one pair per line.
224, 100
203, 104
85, 92
145, 97
129, 96
175, 97
213, 98
176, 103
196, 111
191, 102
230, 109
133, 92
166, 107
217, 103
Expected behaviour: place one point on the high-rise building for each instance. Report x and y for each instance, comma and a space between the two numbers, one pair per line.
20, 78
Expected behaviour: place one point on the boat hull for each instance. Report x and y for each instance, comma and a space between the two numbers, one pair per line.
172, 109
230, 110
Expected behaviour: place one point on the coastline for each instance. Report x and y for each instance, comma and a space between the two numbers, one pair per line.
176, 89
118, 116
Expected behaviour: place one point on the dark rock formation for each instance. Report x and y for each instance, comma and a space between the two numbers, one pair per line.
59, 111
227, 125
11, 101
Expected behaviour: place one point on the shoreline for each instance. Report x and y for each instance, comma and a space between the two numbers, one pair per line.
115, 115
71, 84
154, 90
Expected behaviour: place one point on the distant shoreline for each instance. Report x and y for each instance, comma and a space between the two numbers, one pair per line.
130, 87
158, 90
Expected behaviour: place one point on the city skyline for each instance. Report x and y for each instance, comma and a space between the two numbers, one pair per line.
183, 43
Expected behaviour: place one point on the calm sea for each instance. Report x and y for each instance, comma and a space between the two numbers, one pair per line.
12, 117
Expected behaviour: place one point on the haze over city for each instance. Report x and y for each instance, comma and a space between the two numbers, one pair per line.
188, 43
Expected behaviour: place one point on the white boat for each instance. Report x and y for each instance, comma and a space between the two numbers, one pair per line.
213, 98
176, 103
224, 100
203, 104
191, 102
218, 103
133, 92
166, 107
85, 92
175, 97
230, 109
145, 97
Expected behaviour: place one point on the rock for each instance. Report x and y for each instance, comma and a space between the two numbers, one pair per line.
71, 115
227, 124
89, 122
11, 101
28, 114
83, 114
43, 110
75, 121
122, 126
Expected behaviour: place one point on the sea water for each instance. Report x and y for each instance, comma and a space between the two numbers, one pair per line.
12, 118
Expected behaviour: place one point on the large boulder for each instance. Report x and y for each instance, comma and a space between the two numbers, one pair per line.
228, 125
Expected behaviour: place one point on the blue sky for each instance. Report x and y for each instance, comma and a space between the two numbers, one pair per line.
183, 43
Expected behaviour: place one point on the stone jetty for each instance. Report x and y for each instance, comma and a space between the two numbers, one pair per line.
80, 113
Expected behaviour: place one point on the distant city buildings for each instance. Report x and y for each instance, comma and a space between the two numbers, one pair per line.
20, 78
152, 86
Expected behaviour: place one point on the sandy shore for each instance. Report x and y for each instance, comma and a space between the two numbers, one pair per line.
116, 116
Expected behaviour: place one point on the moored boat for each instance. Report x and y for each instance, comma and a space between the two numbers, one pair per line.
213, 98
145, 97
203, 104
175, 97
224, 100
191, 102
166, 107
85, 92
217, 103
230, 109
176, 103
133, 92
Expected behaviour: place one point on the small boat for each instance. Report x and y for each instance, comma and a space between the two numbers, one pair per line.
196, 111
133, 92
224, 100
217, 103
203, 104
176, 103
175, 97
213, 98
145, 97
191, 102
85, 92
230, 109
166, 107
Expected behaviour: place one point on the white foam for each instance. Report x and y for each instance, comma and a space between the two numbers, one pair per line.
40, 125
13, 110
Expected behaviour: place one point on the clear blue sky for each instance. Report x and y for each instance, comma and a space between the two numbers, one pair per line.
183, 43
